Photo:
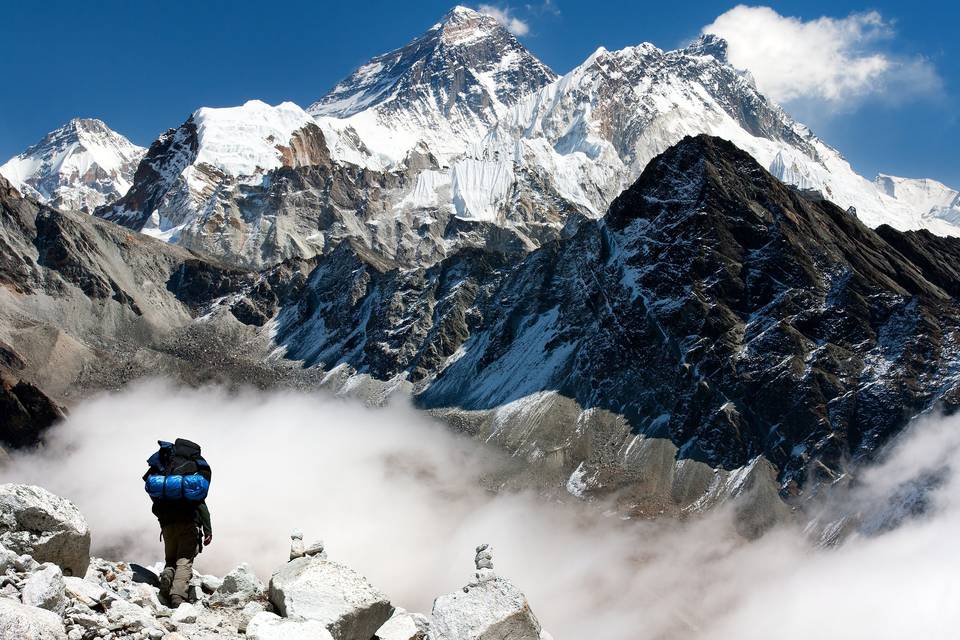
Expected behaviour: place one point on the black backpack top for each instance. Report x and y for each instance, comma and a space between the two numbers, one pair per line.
179, 458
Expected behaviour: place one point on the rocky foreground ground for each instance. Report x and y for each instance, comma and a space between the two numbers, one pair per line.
51, 589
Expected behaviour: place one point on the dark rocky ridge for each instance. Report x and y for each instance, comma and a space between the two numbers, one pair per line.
713, 307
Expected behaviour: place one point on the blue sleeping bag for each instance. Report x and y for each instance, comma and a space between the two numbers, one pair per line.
191, 487
177, 472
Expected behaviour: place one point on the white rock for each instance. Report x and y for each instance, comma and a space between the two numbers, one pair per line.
334, 594
45, 589
49, 528
490, 610
405, 626
296, 545
269, 626
239, 586
209, 584
25, 563
186, 613
250, 610
130, 615
22, 622
315, 549
86, 591
8, 560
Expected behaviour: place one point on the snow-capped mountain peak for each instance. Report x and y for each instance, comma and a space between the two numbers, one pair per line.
446, 88
709, 45
80, 165
245, 140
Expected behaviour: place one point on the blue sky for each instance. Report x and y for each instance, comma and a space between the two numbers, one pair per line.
888, 96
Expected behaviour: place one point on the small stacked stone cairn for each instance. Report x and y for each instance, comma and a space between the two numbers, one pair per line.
299, 550
484, 563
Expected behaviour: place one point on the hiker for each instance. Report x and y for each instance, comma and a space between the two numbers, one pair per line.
178, 481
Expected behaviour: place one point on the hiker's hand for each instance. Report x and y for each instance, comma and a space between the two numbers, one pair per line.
207, 539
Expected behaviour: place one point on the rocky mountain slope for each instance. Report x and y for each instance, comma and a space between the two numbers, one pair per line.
716, 332
462, 139
53, 590
82, 165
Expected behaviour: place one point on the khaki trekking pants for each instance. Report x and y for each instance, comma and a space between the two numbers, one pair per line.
179, 550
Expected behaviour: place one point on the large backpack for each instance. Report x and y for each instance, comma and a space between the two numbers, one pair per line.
177, 472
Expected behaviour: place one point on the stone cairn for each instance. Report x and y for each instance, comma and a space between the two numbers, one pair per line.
299, 550
484, 564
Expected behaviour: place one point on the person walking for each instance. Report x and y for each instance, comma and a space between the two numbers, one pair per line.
177, 481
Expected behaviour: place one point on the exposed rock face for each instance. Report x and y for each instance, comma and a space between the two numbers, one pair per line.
25, 412
317, 589
45, 526
23, 622
712, 303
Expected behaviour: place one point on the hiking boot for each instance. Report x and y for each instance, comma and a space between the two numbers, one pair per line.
176, 601
166, 581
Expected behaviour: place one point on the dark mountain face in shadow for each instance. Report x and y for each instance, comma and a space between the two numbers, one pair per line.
712, 306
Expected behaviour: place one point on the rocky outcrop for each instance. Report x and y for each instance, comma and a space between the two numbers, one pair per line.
25, 412
49, 528
331, 593
311, 598
489, 608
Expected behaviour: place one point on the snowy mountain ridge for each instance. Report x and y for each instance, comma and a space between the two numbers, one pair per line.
81, 165
463, 138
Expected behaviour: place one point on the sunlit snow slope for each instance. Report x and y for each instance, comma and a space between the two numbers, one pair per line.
81, 165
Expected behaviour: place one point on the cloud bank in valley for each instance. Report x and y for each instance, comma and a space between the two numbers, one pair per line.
404, 501
836, 61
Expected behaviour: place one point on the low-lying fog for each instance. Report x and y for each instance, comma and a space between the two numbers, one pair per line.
402, 500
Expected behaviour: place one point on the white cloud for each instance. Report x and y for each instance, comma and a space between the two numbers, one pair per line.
404, 501
505, 16
834, 60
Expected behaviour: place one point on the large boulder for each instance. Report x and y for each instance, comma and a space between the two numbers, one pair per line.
239, 587
46, 589
24, 622
492, 609
269, 626
50, 528
334, 594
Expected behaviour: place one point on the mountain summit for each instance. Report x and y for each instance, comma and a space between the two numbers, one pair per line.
81, 165
447, 86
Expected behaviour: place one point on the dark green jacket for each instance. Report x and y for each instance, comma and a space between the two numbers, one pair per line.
170, 511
